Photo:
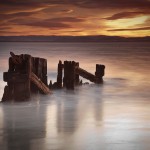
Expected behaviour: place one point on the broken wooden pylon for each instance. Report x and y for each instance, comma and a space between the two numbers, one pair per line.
26, 75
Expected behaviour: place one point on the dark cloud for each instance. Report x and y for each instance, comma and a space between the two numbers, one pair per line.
83, 3
25, 7
132, 29
15, 15
13, 6
72, 14
19, 3
124, 15
67, 19
113, 4
4, 28
47, 23
7, 32
54, 23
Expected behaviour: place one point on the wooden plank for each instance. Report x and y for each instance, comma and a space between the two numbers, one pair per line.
83, 73
14, 77
11, 65
39, 84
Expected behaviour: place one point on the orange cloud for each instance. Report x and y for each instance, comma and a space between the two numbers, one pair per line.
80, 17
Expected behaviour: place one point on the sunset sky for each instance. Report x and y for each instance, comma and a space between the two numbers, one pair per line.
129, 18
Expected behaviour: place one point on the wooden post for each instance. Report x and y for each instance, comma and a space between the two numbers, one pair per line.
69, 74
44, 72
65, 73
28, 71
99, 73
59, 75
11, 65
22, 89
77, 80
50, 84
34, 88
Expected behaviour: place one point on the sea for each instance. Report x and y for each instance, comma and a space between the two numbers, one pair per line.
114, 115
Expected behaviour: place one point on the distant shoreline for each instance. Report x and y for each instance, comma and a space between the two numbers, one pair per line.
72, 39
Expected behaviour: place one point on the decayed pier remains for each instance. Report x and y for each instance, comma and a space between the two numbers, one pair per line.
27, 75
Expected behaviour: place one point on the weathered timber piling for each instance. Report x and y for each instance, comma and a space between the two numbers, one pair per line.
26, 75
77, 79
69, 74
17, 78
99, 73
59, 75
70, 79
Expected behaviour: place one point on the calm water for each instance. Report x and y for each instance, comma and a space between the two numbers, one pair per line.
112, 116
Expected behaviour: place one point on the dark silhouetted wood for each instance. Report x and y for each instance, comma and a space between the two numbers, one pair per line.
50, 84
26, 75
97, 78
77, 79
8, 94
99, 73
85, 74
39, 84
59, 75
69, 74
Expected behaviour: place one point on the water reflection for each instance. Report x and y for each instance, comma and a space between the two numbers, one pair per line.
51, 123
76, 120
21, 125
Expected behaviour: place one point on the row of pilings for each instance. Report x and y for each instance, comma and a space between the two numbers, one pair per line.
72, 72
27, 75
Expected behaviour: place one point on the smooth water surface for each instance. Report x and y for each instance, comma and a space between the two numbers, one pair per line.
112, 116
